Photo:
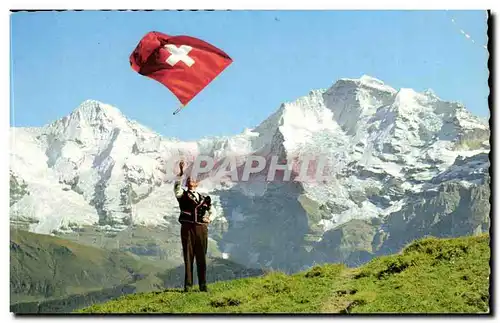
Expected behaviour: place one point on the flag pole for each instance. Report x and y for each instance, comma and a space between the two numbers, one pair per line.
179, 109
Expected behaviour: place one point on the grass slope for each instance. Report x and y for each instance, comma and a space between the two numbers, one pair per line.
53, 275
429, 276
45, 267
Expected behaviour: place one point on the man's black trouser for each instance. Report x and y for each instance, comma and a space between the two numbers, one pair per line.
194, 239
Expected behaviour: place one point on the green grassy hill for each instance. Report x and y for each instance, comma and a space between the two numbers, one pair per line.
53, 275
45, 267
429, 276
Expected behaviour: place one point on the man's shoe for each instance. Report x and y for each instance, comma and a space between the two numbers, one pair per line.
187, 289
203, 289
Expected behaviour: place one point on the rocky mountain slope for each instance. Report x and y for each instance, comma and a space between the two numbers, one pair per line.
402, 163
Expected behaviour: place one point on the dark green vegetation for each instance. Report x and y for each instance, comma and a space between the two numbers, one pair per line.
18, 189
50, 274
160, 244
44, 267
429, 276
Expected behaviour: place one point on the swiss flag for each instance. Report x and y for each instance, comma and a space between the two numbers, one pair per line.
184, 64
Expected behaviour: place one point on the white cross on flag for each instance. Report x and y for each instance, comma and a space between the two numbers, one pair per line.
179, 54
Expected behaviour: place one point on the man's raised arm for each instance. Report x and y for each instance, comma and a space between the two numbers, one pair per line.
177, 184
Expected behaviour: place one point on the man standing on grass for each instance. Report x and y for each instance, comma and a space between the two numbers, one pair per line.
194, 218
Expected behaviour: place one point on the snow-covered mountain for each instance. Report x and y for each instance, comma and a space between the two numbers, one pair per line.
384, 146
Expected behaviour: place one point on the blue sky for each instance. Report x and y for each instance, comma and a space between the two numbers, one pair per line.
59, 59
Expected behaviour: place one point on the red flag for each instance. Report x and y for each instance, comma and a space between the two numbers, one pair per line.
184, 64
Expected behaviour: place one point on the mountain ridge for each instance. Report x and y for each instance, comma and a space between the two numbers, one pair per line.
95, 168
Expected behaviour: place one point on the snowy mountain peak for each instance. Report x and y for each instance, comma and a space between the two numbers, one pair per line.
89, 116
91, 122
90, 104
352, 100
369, 81
428, 105
92, 111
431, 93
408, 99
96, 166
365, 81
